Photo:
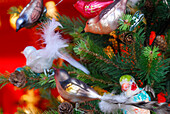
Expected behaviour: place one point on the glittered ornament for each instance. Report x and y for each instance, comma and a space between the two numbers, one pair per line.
18, 78
113, 33
109, 51
107, 20
65, 108
115, 44
161, 43
92, 8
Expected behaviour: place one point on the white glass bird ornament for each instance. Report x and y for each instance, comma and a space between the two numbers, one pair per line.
41, 59
30, 14
35, 60
107, 20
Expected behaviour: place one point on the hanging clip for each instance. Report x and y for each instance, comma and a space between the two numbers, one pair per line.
137, 18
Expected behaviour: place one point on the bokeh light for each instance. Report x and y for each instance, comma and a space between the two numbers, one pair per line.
13, 19
51, 9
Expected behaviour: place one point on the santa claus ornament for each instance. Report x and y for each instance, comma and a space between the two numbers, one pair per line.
130, 88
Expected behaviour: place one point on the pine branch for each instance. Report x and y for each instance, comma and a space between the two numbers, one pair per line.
15, 10
91, 107
100, 65
157, 15
99, 57
89, 77
125, 22
51, 111
33, 80
4, 79
71, 25
153, 69
94, 79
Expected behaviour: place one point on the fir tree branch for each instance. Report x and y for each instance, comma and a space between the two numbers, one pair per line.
93, 109
71, 25
99, 57
94, 79
37, 81
153, 68
90, 77
15, 10
134, 52
4, 79
51, 111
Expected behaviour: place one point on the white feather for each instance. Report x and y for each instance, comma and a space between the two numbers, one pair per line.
111, 103
107, 107
54, 43
73, 62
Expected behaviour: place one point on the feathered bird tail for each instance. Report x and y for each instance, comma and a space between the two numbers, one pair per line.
72, 61
111, 103
54, 43
52, 39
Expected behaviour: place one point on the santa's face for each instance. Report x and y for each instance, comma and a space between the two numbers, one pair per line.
125, 86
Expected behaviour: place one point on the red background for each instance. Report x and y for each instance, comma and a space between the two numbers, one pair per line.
12, 43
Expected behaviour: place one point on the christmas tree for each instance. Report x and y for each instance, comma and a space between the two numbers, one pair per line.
117, 45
